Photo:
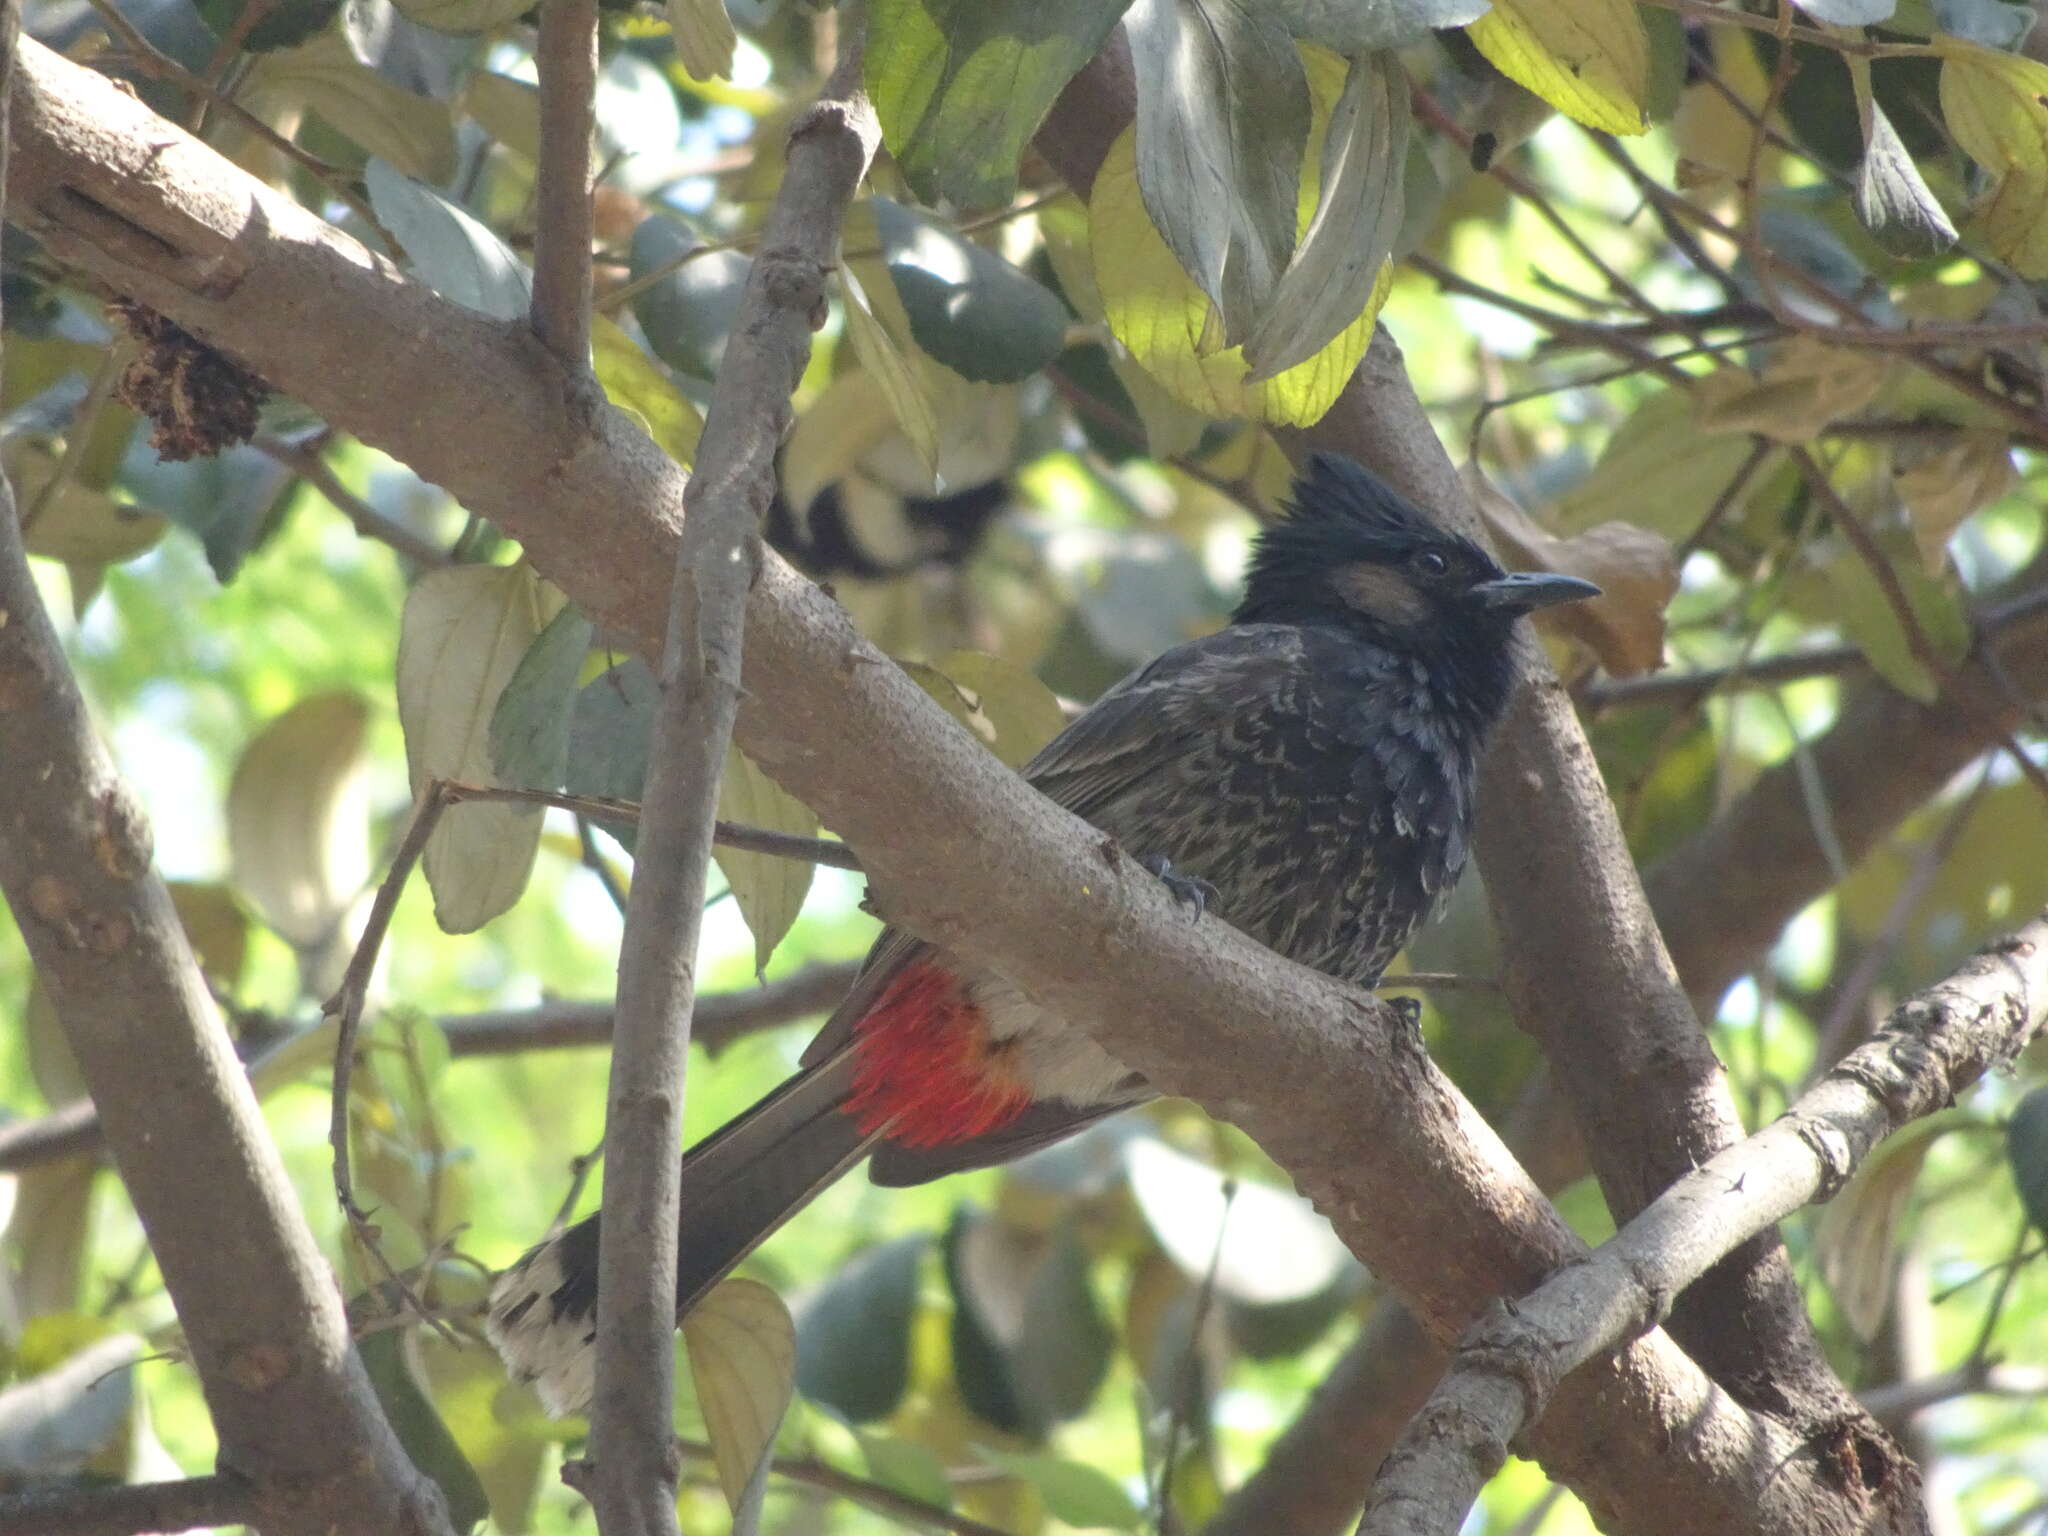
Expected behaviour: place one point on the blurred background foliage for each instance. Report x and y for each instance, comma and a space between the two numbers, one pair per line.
1030, 1347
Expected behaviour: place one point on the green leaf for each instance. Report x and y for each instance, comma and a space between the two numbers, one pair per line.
882, 342
1658, 470
705, 40
1065, 1343
1340, 266
1356, 26
1222, 124
608, 735
530, 726
1588, 58
853, 1339
452, 253
299, 817
507, 109
2026, 1148
968, 308
1892, 198
1850, 13
981, 1358
961, 85
770, 890
911, 1469
419, 1428
635, 383
1012, 712
414, 133
284, 23
687, 315
77, 524
1075, 1493
742, 1350
1836, 583
464, 633
1156, 311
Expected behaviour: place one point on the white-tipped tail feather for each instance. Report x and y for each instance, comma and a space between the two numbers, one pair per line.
542, 1347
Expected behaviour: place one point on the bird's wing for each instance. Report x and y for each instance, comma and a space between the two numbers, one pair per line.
1140, 726
1180, 702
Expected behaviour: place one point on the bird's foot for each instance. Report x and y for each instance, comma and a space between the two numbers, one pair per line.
1407, 1024
1195, 892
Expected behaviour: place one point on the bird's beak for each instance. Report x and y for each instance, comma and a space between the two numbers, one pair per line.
1527, 590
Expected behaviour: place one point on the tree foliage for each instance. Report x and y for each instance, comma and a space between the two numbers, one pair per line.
1737, 312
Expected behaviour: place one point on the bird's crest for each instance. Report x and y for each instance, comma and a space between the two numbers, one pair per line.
1339, 493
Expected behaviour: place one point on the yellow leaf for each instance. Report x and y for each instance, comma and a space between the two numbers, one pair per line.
1588, 58
1010, 710
1658, 469
880, 332
1994, 105
2014, 222
770, 890
1942, 489
1156, 311
299, 816
1808, 386
635, 383
742, 1349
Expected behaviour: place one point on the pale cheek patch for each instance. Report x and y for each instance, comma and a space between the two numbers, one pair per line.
1381, 594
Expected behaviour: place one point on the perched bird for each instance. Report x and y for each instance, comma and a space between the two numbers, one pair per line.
1306, 772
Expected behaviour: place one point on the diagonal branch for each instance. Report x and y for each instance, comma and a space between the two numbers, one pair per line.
955, 845
830, 144
1508, 1364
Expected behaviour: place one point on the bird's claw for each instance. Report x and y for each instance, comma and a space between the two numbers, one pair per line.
1409, 1011
1191, 889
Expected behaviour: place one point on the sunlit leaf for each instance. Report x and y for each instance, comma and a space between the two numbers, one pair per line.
911, 1469
1354, 26
770, 890
1166, 322
76, 523
1807, 387
1012, 712
1658, 470
634, 382
961, 85
299, 816
705, 40
967, 307
1856, 1240
742, 1350
1835, 583
451, 252
1588, 58
507, 109
882, 354
464, 633
416, 134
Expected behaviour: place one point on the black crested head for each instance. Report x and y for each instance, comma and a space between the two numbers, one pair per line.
1354, 554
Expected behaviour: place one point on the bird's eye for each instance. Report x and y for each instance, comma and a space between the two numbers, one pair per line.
1430, 563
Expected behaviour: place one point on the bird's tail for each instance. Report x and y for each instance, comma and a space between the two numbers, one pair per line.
738, 1186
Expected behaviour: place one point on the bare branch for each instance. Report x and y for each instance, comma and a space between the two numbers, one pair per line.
719, 1020
830, 144
565, 58
310, 467
1508, 1364
186, 1504
292, 1406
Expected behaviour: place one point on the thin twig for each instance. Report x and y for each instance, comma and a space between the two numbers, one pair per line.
184, 1504
310, 467
813, 1473
346, 1009
565, 58
1917, 642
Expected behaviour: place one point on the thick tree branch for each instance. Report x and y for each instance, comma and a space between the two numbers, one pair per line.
1506, 1367
830, 144
186, 1504
292, 1407
955, 845
1589, 978
716, 1022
